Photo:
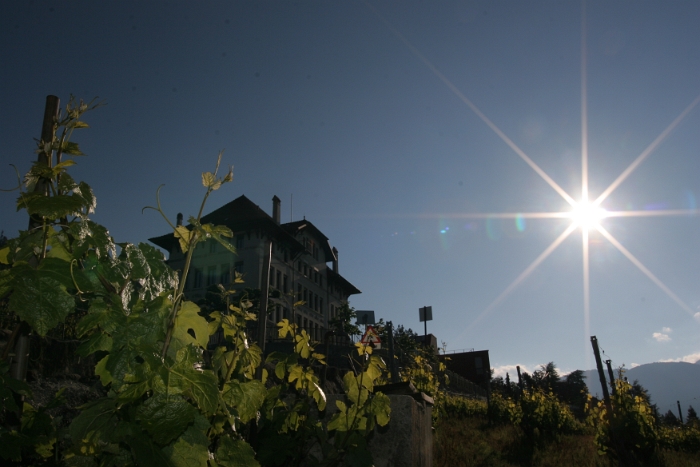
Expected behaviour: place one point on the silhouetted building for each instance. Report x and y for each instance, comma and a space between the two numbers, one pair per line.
299, 268
474, 366
427, 341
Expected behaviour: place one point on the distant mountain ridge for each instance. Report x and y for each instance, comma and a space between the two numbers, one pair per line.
667, 382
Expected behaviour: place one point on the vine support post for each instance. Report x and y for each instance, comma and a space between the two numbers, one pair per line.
21, 357
601, 375
392, 360
611, 376
265, 292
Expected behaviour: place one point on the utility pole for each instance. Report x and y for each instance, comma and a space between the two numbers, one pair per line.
599, 365
680, 414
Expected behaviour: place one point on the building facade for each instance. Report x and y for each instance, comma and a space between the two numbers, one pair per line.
303, 267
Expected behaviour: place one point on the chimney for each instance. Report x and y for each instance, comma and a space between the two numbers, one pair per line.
179, 218
335, 260
276, 209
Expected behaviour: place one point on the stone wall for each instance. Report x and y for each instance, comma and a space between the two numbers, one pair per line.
407, 441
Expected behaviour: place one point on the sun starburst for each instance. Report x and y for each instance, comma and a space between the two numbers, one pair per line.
586, 216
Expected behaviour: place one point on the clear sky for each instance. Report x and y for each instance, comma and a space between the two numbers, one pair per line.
404, 130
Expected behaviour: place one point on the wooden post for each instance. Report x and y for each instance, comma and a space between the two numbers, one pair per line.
20, 361
680, 414
599, 365
265, 292
392, 361
611, 376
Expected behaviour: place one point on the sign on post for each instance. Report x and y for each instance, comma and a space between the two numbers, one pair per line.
371, 338
425, 314
365, 317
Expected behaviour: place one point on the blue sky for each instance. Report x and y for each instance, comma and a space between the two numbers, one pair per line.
360, 110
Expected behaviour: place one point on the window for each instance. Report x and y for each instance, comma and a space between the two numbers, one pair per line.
320, 304
211, 275
320, 280
299, 295
197, 278
285, 285
298, 266
278, 279
272, 276
225, 274
479, 364
238, 267
212, 246
239, 241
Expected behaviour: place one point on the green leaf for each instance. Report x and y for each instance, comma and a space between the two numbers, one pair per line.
138, 267
101, 371
192, 448
98, 341
40, 301
57, 247
188, 321
54, 207
4, 252
161, 277
84, 191
77, 124
201, 386
71, 148
147, 453
59, 270
246, 397
165, 417
183, 234
95, 423
6, 279
203, 390
235, 453
380, 407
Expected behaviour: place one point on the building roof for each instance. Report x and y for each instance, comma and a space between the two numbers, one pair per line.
296, 227
240, 215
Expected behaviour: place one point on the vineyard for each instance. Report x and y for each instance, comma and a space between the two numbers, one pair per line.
535, 428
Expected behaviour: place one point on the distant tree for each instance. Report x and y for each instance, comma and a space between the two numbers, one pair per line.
669, 419
528, 381
574, 391
691, 417
546, 377
342, 322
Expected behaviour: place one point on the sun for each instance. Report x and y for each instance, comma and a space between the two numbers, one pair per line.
587, 215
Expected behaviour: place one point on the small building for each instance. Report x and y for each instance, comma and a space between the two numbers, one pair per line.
304, 266
474, 365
